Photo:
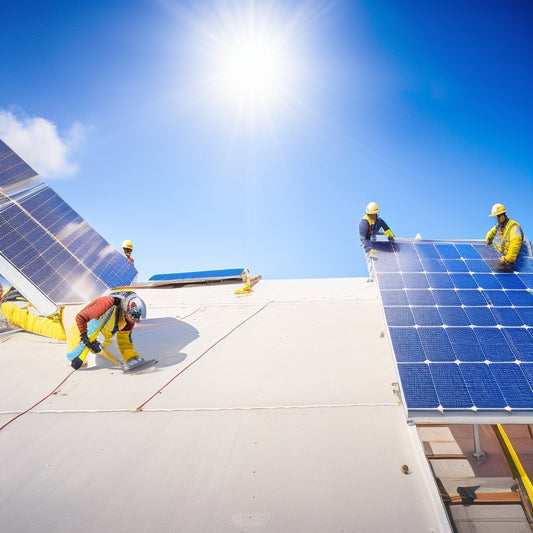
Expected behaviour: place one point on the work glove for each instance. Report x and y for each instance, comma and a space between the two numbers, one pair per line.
94, 346
504, 263
391, 237
76, 363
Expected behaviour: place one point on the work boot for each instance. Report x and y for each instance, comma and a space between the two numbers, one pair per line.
133, 362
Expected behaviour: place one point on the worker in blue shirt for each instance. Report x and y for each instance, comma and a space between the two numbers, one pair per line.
369, 227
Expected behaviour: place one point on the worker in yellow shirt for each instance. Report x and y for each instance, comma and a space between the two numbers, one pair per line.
507, 236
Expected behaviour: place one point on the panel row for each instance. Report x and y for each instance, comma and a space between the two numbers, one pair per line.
495, 386
416, 345
459, 316
441, 258
457, 297
457, 280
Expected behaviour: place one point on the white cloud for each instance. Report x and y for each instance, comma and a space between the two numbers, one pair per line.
38, 142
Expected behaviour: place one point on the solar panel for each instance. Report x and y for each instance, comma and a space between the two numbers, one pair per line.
460, 327
204, 275
47, 250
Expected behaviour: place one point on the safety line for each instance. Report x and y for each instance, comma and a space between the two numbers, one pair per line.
216, 409
140, 408
40, 401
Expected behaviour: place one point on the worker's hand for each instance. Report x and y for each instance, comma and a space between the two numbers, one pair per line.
391, 237
76, 363
504, 262
488, 243
371, 253
94, 346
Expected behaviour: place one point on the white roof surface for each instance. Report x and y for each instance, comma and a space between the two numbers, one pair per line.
273, 411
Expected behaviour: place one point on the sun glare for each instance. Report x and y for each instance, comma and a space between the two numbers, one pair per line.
246, 58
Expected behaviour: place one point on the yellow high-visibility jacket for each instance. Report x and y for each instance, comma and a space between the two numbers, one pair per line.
507, 239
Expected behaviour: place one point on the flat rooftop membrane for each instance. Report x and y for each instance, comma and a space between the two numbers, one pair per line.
271, 411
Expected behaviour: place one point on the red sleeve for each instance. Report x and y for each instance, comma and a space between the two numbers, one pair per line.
94, 310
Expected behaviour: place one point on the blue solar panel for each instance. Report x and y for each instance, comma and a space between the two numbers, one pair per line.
527, 279
439, 280
417, 386
465, 344
520, 298
514, 385
407, 345
448, 251
480, 316
497, 298
394, 297
14, 170
446, 297
47, 246
482, 386
436, 344
399, 316
454, 316
455, 265
521, 342
230, 273
471, 298
427, 316
420, 297
450, 386
461, 328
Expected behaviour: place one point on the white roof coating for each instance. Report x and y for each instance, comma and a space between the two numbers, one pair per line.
274, 411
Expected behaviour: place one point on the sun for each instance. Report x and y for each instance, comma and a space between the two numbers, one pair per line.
251, 71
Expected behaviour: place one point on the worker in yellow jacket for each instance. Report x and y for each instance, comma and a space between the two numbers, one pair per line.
507, 236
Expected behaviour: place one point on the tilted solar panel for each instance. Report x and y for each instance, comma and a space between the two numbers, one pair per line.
47, 250
14, 171
461, 327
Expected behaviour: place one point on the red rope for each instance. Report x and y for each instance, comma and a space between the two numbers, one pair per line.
40, 401
140, 408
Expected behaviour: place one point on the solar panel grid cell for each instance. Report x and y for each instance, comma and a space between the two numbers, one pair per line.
454, 316
482, 386
417, 386
450, 386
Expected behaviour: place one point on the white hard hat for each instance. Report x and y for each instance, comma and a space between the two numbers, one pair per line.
497, 209
372, 208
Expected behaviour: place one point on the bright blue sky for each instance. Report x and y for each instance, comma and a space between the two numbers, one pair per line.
140, 115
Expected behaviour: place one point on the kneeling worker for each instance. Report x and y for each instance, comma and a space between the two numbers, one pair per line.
507, 236
117, 315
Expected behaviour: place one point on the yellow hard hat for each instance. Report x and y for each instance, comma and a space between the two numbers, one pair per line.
372, 208
497, 209
127, 244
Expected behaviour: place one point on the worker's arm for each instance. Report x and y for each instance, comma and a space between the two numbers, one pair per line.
364, 226
491, 234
